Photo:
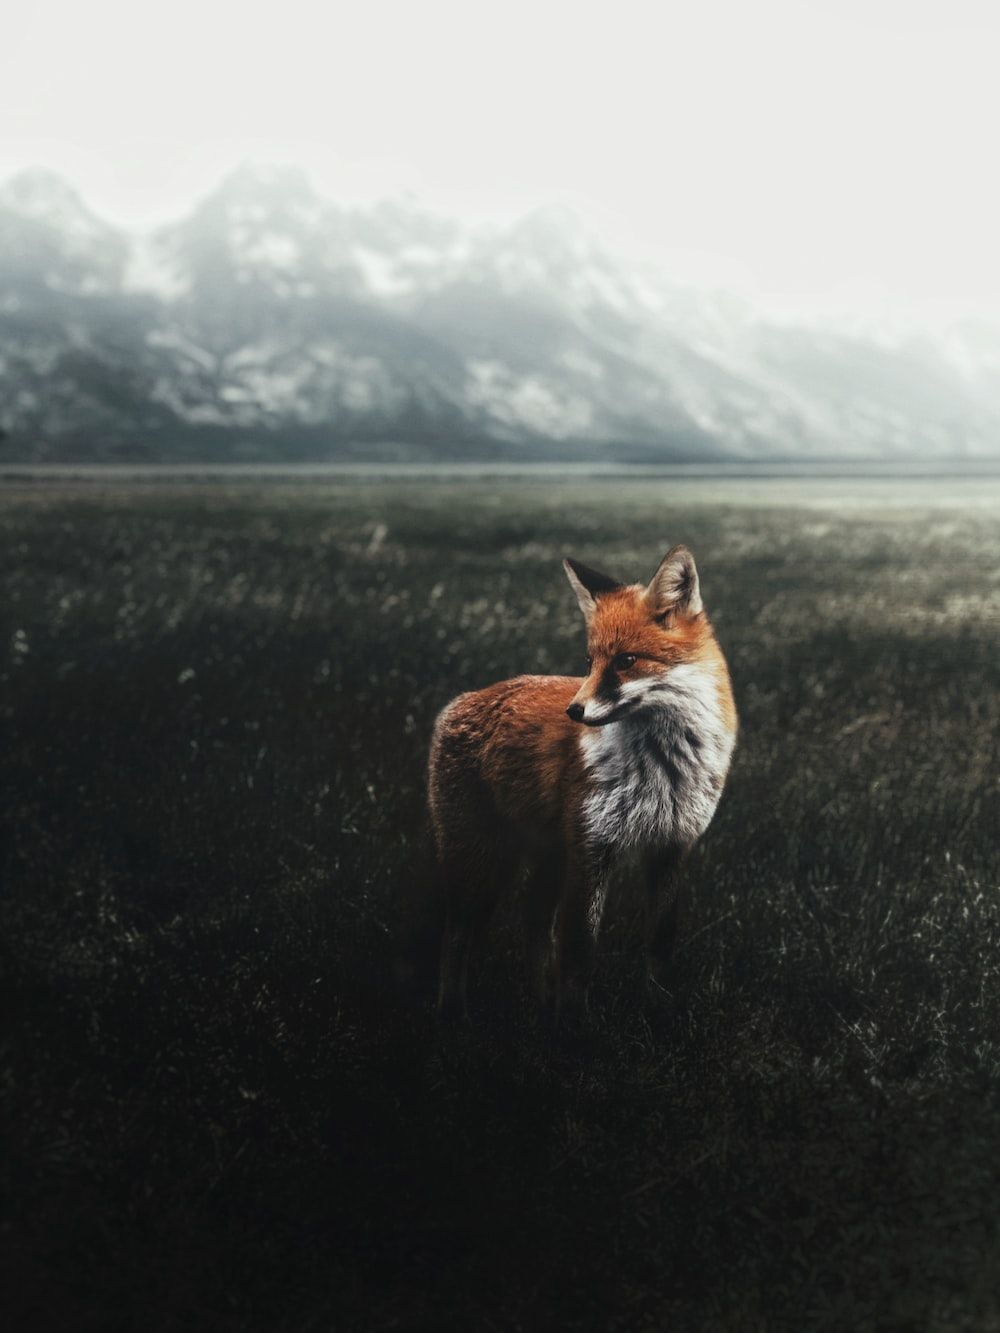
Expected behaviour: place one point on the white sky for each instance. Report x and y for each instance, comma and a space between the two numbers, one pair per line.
822, 153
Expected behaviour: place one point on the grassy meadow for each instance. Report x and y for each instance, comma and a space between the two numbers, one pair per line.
224, 1104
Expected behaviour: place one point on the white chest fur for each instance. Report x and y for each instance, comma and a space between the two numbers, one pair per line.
657, 774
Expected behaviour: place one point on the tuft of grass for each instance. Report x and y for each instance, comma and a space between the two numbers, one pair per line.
221, 1108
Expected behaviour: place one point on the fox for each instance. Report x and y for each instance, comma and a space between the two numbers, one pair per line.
579, 781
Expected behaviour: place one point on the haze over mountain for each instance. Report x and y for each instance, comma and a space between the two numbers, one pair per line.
271, 324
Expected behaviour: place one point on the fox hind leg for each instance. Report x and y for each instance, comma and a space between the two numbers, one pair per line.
474, 879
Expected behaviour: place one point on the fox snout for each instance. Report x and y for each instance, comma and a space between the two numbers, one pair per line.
584, 702
594, 710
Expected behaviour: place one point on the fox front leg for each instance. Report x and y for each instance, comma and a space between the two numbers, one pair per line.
545, 881
665, 900
577, 927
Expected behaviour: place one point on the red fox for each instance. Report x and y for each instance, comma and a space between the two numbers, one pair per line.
582, 779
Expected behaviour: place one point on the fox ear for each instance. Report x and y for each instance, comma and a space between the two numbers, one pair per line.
588, 585
674, 586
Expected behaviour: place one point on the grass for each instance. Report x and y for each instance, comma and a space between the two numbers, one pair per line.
222, 1109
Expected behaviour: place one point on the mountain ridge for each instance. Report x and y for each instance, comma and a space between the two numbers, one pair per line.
270, 323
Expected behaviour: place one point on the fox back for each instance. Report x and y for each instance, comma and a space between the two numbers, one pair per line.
582, 779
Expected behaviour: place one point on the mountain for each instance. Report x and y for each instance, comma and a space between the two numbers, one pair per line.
272, 324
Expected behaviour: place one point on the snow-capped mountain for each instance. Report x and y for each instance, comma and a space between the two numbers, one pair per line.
271, 323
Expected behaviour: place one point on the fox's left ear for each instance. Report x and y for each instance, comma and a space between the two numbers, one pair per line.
674, 586
588, 585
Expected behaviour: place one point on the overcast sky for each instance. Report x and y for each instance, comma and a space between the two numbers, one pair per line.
820, 152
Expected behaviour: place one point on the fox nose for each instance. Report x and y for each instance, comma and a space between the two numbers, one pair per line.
575, 711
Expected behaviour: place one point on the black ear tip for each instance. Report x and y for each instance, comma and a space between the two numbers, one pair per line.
595, 582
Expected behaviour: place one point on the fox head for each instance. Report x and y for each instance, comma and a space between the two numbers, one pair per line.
636, 634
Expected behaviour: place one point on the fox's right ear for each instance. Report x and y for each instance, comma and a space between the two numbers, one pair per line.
588, 585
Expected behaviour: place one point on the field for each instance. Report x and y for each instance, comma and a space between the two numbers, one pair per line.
227, 1104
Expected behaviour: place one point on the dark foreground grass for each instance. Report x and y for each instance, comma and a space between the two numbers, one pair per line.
221, 1109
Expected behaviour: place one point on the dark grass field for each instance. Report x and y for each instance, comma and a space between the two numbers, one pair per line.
222, 1110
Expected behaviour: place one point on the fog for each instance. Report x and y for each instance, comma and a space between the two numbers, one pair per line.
826, 160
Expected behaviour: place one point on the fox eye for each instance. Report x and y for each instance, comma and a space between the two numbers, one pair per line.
623, 661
